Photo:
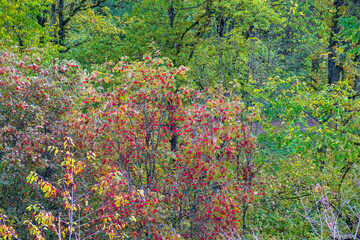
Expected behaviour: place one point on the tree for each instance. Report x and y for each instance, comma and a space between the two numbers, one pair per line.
185, 155
35, 96
16, 24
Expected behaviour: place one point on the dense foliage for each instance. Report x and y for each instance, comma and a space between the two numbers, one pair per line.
179, 119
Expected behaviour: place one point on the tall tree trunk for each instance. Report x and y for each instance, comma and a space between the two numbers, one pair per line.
221, 26
61, 23
334, 69
42, 21
357, 77
171, 14
315, 67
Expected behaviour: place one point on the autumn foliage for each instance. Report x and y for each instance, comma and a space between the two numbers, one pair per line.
124, 151
180, 119
35, 96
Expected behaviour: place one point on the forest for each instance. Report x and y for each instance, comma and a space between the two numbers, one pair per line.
179, 119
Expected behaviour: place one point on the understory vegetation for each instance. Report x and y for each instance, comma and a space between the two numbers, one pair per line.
180, 119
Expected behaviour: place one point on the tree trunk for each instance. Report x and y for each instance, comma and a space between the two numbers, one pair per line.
171, 14
334, 69
61, 23
357, 77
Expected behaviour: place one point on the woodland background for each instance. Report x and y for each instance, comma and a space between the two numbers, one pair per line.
179, 119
